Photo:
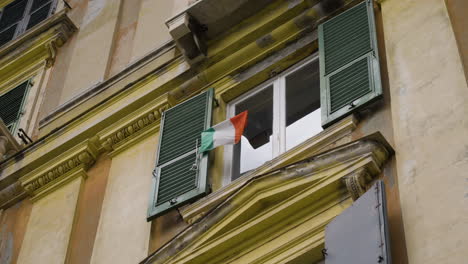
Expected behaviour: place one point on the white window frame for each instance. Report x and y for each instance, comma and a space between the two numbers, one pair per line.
279, 114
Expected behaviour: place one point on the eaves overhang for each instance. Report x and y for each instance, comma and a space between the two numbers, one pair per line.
206, 20
280, 217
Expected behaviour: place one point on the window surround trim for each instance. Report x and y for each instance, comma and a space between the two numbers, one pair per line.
26, 16
278, 83
37, 75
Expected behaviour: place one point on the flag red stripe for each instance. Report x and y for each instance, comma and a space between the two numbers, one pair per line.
239, 122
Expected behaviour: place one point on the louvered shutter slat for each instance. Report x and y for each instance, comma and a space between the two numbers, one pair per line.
176, 182
349, 63
11, 103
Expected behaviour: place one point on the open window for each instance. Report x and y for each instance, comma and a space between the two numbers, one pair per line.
283, 112
315, 93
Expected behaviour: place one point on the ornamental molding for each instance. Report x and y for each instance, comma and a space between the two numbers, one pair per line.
11, 194
36, 45
134, 127
279, 217
60, 171
337, 134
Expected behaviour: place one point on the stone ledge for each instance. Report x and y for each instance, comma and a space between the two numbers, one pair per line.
292, 205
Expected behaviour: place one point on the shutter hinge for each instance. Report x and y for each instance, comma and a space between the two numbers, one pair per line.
197, 157
155, 173
324, 253
216, 102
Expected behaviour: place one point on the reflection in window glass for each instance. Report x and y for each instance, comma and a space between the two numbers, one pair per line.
255, 147
302, 104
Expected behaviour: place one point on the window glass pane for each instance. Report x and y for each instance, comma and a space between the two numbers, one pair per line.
12, 13
38, 3
38, 16
302, 104
7, 34
255, 147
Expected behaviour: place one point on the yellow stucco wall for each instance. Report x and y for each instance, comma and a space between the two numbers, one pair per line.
423, 115
50, 226
94, 48
13, 223
123, 233
430, 104
151, 31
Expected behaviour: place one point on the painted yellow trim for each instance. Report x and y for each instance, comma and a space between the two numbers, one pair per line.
313, 146
57, 172
36, 45
112, 109
135, 127
281, 215
3, 3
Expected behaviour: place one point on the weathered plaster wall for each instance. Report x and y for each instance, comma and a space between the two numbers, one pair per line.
124, 37
50, 226
13, 222
164, 228
123, 233
91, 54
151, 31
62, 62
429, 108
88, 212
458, 10
379, 119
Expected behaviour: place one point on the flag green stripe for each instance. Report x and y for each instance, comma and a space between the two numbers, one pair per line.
207, 140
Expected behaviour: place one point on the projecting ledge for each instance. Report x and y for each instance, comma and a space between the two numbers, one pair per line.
312, 190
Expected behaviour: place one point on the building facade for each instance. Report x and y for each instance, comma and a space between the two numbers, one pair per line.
103, 102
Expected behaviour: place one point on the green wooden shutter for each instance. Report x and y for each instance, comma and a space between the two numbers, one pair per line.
349, 62
11, 105
175, 180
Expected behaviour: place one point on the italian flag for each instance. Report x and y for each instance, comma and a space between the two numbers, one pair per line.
224, 133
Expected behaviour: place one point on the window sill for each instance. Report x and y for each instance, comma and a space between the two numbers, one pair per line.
337, 134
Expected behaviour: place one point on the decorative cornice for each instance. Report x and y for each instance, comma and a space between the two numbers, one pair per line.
330, 137
11, 194
59, 171
356, 183
38, 44
134, 127
292, 204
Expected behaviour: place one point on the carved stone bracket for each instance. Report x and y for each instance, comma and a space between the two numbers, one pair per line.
36, 45
186, 31
356, 182
61, 32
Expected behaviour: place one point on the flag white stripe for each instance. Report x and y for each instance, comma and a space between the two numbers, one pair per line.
225, 133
